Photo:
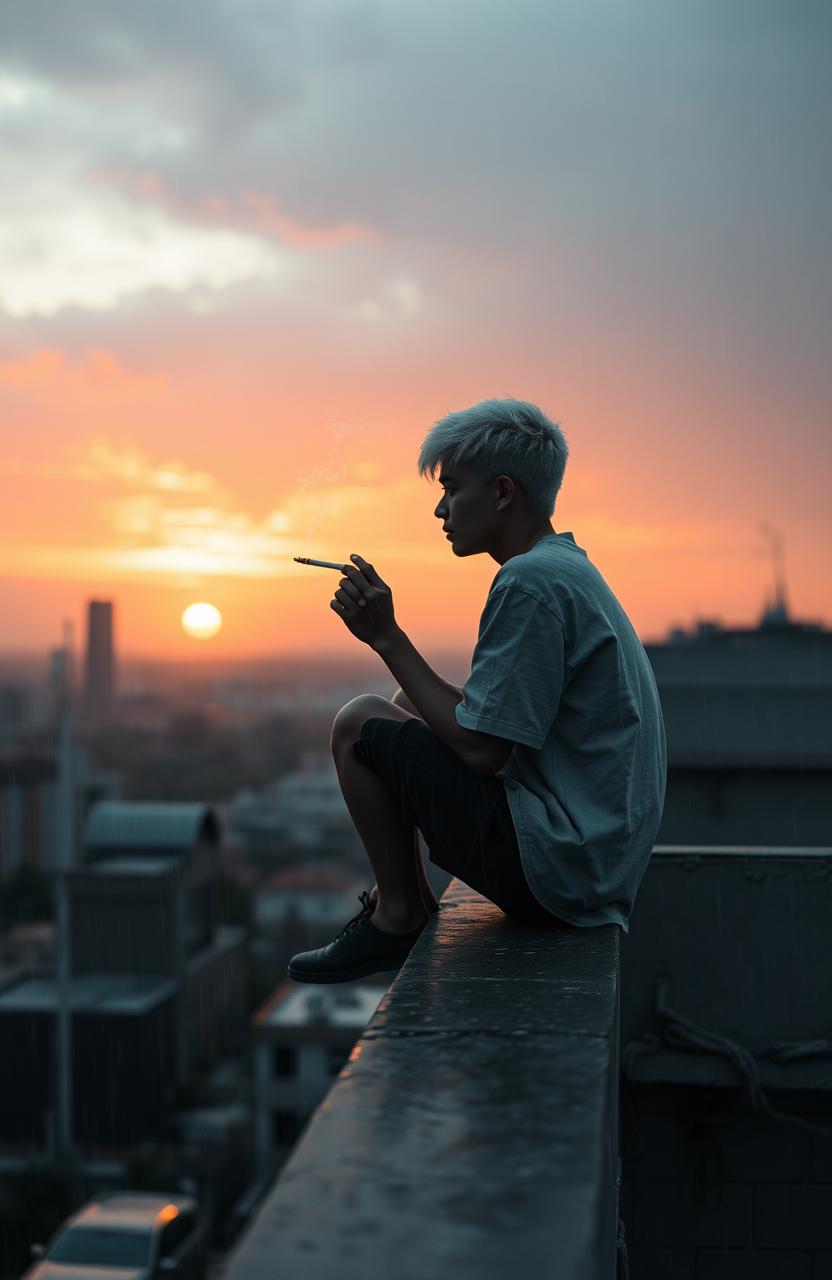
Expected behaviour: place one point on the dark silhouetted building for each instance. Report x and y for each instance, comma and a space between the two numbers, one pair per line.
99, 672
156, 985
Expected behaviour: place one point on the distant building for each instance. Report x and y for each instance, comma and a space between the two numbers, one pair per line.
156, 987
46, 792
747, 714
60, 681
303, 809
99, 671
303, 1035
18, 710
314, 895
30, 945
247, 697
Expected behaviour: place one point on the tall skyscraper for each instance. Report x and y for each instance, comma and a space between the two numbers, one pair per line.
99, 685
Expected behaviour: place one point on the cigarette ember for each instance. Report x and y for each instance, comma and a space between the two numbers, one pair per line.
322, 564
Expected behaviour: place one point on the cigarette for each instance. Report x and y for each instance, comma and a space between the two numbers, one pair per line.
322, 564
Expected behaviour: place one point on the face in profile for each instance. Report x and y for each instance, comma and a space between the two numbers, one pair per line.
467, 510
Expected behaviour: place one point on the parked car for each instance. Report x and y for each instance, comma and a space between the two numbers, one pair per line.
136, 1235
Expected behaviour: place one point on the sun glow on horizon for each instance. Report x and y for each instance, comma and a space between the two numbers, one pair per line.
201, 620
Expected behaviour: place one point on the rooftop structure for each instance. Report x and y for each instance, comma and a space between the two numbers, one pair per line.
473, 1129
145, 825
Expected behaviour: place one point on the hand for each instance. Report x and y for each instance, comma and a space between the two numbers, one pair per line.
365, 603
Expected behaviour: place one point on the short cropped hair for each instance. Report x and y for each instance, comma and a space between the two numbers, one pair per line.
502, 437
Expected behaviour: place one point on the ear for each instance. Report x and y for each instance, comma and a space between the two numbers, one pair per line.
506, 489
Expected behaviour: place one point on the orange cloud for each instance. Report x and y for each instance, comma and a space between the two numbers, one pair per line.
98, 462
256, 212
49, 369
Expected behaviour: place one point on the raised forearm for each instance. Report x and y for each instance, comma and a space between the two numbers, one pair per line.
433, 698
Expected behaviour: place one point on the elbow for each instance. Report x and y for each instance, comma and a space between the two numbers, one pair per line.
489, 757
479, 767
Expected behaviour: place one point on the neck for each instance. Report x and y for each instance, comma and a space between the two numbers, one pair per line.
519, 544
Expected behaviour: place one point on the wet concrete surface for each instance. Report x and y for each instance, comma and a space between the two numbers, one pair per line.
472, 1131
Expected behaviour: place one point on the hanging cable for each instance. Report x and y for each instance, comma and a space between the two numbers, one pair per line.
681, 1032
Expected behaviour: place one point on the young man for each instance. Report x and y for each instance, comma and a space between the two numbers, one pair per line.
541, 782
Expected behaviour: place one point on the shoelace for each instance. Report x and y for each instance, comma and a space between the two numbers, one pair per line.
367, 909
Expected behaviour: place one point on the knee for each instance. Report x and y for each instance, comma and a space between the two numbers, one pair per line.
348, 721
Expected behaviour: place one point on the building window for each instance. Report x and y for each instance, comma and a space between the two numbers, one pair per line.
285, 1126
285, 1061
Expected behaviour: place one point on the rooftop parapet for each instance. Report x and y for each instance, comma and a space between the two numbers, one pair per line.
473, 1131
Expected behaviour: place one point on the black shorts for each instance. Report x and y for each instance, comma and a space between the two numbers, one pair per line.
464, 819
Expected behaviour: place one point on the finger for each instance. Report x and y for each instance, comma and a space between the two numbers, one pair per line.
357, 581
367, 569
348, 601
352, 592
338, 608
356, 577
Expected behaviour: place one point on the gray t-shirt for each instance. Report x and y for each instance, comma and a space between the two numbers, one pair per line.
559, 670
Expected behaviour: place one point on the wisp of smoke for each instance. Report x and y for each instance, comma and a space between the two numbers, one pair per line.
332, 471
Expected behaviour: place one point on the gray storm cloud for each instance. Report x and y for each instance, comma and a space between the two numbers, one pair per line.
577, 160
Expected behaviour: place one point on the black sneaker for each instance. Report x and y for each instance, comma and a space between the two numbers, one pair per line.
359, 950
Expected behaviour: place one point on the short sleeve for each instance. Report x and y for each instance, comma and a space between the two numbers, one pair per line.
517, 670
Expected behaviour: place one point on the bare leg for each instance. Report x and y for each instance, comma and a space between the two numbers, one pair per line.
428, 896
388, 842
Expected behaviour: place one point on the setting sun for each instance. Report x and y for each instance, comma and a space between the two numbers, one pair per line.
201, 620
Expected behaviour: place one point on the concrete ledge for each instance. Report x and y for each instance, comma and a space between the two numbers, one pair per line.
474, 1130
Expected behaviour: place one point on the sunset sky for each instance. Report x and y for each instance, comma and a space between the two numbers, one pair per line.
250, 251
